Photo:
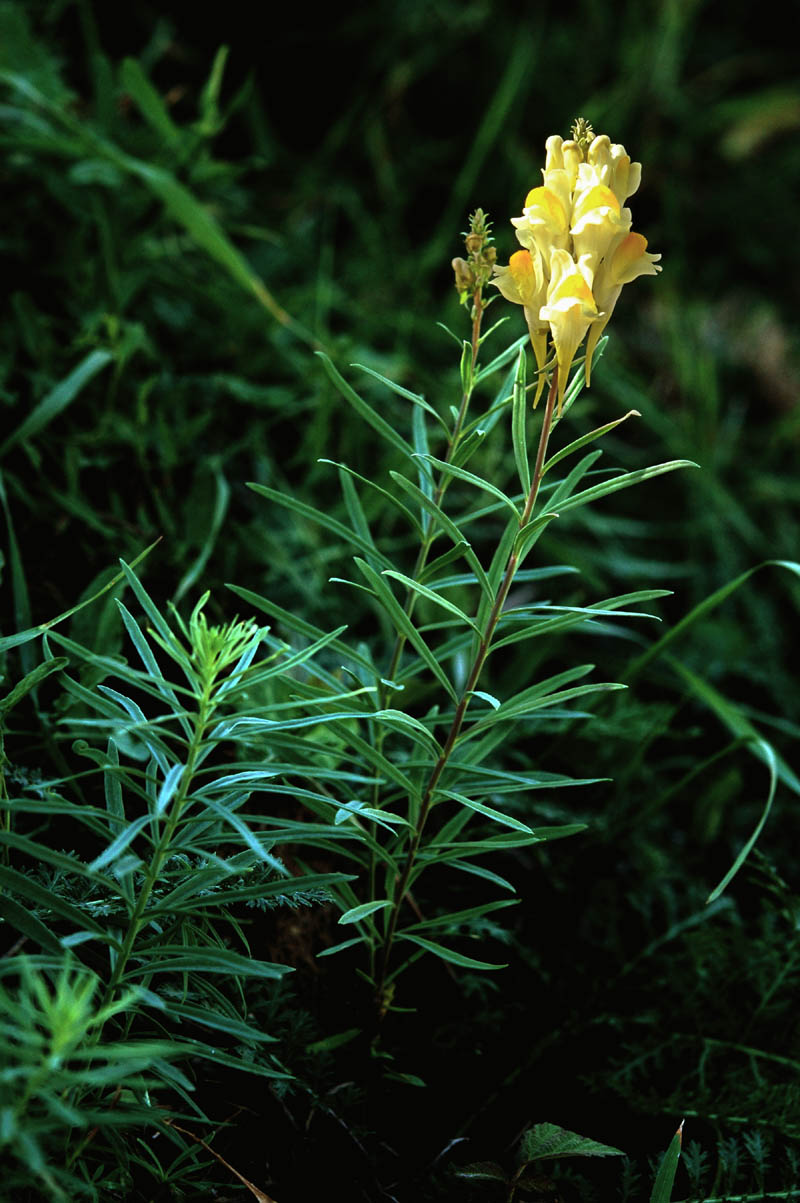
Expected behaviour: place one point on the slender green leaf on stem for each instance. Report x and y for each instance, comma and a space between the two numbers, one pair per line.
9, 641
415, 398
390, 497
702, 609
481, 808
363, 409
456, 918
149, 103
566, 487
171, 959
622, 482
26, 923
448, 954
58, 399
462, 474
416, 587
299, 625
449, 527
577, 444
357, 913
529, 533
503, 358
519, 414
321, 519
662, 1187
570, 616
48, 900
404, 625
516, 710
30, 681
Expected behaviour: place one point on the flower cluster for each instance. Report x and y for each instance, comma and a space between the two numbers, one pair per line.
579, 249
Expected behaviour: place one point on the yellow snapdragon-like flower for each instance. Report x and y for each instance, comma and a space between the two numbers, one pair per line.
579, 249
525, 283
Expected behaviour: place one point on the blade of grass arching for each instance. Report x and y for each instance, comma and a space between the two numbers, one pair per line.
737, 724
221, 499
58, 398
747, 849
19, 586
662, 1187
149, 103
9, 641
703, 608
512, 83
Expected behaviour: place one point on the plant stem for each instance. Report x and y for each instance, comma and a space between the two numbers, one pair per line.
385, 691
402, 882
161, 851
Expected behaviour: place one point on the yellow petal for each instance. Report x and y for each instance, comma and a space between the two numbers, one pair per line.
570, 310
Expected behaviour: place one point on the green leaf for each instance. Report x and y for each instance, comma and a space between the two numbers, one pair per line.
544, 1142
404, 624
357, 913
449, 527
321, 518
9, 641
470, 478
58, 398
415, 398
363, 409
448, 954
30, 681
169, 958
662, 1187
23, 921
390, 497
458, 917
750, 844
47, 902
702, 609
519, 414
481, 808
149, 102
622, 482
436, 598
585, 439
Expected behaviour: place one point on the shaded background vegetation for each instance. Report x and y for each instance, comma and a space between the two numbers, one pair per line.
340, 162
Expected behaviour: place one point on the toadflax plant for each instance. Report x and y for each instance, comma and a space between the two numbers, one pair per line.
434, 729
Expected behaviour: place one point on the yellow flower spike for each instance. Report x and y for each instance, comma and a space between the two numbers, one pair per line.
570, 310
597, 220
544, 222
524, 283
627, 261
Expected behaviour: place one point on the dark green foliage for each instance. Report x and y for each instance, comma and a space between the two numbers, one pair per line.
178, 239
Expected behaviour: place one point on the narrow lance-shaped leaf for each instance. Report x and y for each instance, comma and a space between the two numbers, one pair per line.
519, 413
662, 1187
